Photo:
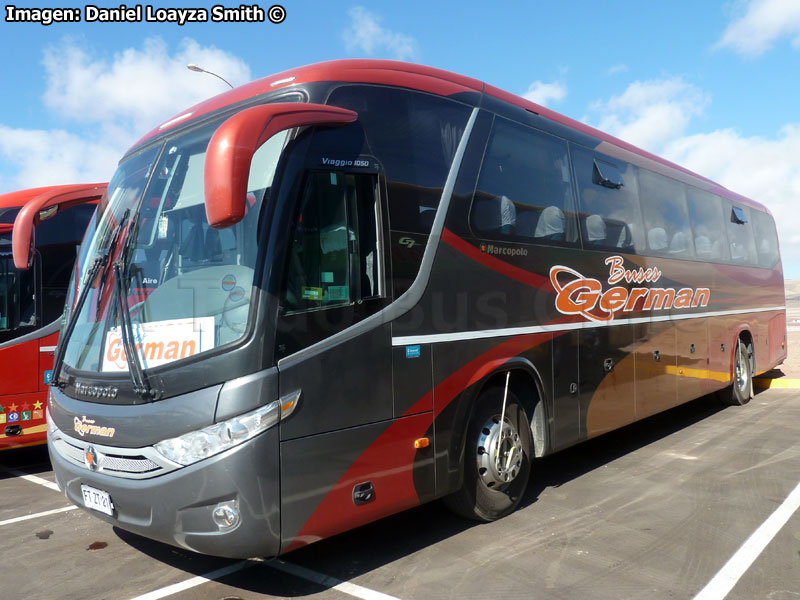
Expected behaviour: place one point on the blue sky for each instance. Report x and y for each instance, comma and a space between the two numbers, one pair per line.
711, 85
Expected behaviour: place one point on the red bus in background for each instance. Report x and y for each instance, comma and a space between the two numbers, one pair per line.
32, 298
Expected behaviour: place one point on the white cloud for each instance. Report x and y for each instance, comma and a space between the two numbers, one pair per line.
617, 69
759, 24
655, 115
41, 157
366, 35
104, 105
651, 113
545, 93
139, 87
765, 169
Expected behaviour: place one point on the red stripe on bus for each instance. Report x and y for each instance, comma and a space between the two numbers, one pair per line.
391, 481
495, 264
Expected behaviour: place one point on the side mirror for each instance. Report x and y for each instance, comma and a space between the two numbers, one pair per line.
231, 149
43, 207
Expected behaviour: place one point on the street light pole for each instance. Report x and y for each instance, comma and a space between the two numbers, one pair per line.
196, 69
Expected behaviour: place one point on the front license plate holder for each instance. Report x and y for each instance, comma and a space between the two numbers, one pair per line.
97, 500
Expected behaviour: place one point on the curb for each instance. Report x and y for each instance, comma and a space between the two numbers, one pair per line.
784, 383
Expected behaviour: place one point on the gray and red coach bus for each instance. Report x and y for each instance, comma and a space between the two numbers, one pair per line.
353, 287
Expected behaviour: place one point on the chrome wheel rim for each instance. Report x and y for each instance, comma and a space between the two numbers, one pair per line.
498, 453
742, 380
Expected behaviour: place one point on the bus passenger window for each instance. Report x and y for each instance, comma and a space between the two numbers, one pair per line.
610, 218
524, 191
666, 215
767, 239
740, 234
334, 258
705, 213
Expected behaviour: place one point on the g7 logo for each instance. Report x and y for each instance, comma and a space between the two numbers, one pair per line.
407, 242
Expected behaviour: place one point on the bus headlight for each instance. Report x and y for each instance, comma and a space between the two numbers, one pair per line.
197, 445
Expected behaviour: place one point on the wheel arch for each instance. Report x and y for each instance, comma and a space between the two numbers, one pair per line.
743, 332
526, 382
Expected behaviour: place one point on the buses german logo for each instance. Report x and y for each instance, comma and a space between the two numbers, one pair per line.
84, 426
579, 295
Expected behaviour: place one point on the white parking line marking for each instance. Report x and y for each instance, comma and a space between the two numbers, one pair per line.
195, 581
346, 587
37, 515
32, 478
724, 581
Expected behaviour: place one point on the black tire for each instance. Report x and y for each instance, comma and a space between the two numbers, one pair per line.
486, 495
741, 391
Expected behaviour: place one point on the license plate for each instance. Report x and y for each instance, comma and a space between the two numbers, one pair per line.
97, 500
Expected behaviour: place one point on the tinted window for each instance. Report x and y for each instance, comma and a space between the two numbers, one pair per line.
17, 306
610, 218
415, 137
766, 238
666, 216
706, 215
7, 215
334, 259
524, 191
57, 239
740, 235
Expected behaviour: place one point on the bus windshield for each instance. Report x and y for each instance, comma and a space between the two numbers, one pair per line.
188, 286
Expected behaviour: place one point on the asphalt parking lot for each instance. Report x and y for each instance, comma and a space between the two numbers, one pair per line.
656, 510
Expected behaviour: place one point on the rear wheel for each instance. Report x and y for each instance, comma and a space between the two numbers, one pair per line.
742, 389
497, 459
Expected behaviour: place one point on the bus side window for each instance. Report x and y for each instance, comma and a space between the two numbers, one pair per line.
334, 257
767, 239
705, 213
608, 190
666, 216
740, 234
524, 191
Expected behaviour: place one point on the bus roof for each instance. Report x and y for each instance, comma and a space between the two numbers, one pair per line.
426, 79
21, 197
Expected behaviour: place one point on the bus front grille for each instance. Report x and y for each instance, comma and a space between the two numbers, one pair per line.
129, 463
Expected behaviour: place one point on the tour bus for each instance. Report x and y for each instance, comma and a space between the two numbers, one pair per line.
350, 288
32, 299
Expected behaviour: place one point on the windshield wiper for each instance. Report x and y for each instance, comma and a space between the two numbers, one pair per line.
109, 253
141, 384
97, 265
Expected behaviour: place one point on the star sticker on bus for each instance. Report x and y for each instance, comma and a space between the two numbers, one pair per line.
2, 408
12, 408
37, 405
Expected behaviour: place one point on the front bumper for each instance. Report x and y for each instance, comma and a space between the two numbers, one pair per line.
176, 508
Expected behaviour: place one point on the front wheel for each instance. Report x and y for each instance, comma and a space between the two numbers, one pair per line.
497, 459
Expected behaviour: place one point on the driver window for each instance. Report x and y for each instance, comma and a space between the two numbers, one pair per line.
334, 249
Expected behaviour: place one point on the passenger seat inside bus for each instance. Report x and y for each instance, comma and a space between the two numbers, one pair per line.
595, 230
657, 239
551, 224
702, 246
679, 243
